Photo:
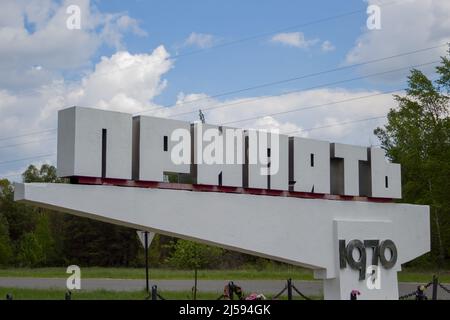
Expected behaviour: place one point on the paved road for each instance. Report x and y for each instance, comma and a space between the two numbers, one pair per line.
271, 287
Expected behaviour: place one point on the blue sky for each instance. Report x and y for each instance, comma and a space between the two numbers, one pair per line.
144, 56
248, 63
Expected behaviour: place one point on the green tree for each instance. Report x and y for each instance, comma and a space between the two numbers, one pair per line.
45, 220
30, 252
49, 238
20, 217
44, 237
5, 242
46, 173
191, 255
94, 243
417, 135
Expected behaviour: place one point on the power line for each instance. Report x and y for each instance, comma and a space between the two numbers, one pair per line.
27, 134
29, 158
319, 106
318, 73
287, 133
313, 106
287, 80
214, 107
281, 81
338, 124
264, 34
265, 85
262, 116
302, 25
300, 77
10, 175
253, 37
25, 143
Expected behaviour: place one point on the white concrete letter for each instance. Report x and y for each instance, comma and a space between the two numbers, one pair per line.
218, 172
310, 165
385, 177
94, 143
268, 160
156, 148
345, 168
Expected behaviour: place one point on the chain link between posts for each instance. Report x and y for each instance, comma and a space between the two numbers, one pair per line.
301, 294
444, 288
275, 297
413, 294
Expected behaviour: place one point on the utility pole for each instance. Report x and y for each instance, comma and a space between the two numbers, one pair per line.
146, 260
201, 116
146, 237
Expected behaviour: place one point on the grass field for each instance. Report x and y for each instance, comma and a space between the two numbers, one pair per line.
245, 274
135, 273
423, 276
55, 294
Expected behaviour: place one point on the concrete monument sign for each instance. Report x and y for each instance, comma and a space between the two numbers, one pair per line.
325, 206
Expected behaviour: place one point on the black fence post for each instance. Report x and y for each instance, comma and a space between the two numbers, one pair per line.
231, 290
154, 292
195, 284
289, 289
435, 286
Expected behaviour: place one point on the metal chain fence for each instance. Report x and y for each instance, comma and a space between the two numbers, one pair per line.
275, 297
419, 294
289, 287
415, 292
444, 288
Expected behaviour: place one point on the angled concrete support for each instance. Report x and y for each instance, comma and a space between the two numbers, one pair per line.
304, 232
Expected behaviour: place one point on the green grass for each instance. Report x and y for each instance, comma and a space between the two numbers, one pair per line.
423, 276
281, 273
139, 273
57, 294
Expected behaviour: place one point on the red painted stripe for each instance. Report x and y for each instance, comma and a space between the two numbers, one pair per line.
211, 188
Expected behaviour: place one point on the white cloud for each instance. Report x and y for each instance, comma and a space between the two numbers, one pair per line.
115, 26
405, 26
228, 111
35, 34
200, 40
126, 23
294, 39
123, 82
327, 46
